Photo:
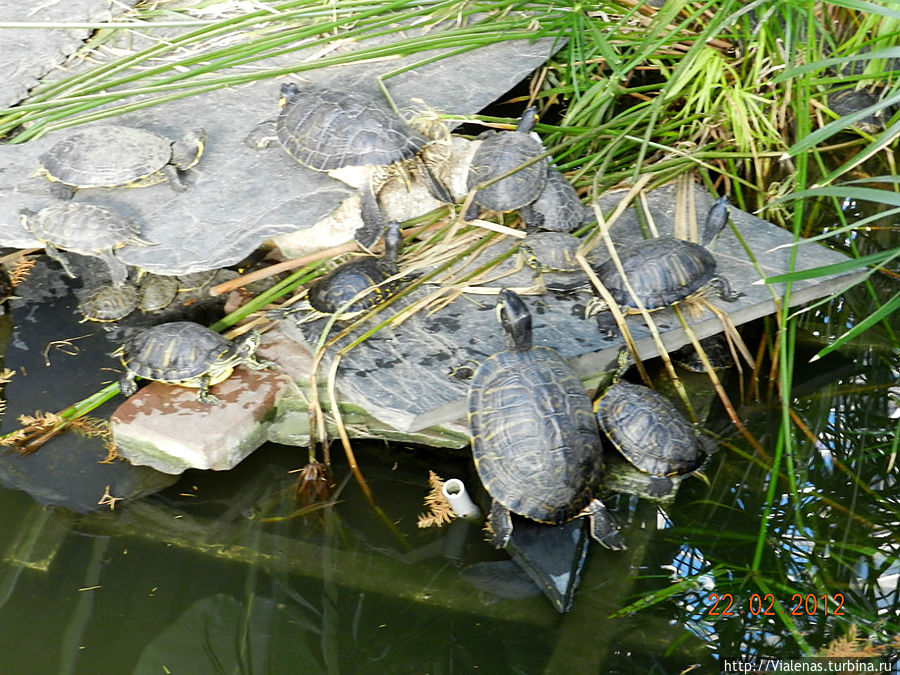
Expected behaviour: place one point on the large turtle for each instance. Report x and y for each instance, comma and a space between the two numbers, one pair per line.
649, 431
327, 129
187, 354
88, 229
112, 155
502, 152
666, 270
535, 441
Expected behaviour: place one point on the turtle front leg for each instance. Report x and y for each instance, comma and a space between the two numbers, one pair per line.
501, 525
128, 385
204, 395
118, 271
262, 134
173, 178
603, 527
55, 253
723, 288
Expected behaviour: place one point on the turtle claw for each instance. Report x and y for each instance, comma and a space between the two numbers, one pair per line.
500, 523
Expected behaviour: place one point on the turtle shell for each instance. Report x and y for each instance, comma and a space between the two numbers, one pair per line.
82, 228
501, 152
333, 291
717, 352
178, 351
662, 271
327, 129
110, 303
551, 251
648, 430
156, 292
535, 441
107, 156
557, 208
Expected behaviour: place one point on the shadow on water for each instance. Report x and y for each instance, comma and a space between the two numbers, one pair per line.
217, 573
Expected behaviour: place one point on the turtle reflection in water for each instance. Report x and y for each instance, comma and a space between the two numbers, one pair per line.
535, 440
328, 129
186, 354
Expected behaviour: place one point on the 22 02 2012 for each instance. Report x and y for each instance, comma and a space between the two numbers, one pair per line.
765, 605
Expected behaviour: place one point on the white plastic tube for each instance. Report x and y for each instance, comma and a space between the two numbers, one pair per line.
463, 506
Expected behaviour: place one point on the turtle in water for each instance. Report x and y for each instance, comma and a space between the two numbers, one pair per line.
649, 431
502, 152
113, 155
558, 207
341, 290
327, 129
665, 270
535, 440
717, 353
88, 229
187, 354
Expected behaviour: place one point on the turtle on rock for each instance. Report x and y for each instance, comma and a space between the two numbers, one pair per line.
186, 354
88, 229
329, 129
111, 155
535, 440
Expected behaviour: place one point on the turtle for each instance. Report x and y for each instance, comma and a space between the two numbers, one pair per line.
337, 291
112, 155
88, 229
666, 270
535, 441
550, 251
558, 207
502, 152
717, 353
156, 292
110, 303
187, 354
327, 129
649, 431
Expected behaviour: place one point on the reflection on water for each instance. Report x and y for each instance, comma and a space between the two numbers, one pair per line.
214, 575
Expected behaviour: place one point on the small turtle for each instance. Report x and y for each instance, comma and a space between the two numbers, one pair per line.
502, 152
551, 251
88, 229
332, 293
665, 271
110, 303
156, 292
535, 441
186, 354
326, 129
650, 432
113, 155
717, 353
557, 208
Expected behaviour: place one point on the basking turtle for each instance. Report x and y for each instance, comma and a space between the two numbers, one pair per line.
327, 129
650, 432
551, 251
112, 155
332, 293
665, 271
557, 208
88, 229
501, 152
110, 303
187, 354
535, 441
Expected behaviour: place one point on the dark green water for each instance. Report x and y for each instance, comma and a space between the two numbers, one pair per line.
213, 575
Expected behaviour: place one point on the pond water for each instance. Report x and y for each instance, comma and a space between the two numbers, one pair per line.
219, 573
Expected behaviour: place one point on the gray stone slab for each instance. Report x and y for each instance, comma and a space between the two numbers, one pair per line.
240, 197
28, 54
404, 375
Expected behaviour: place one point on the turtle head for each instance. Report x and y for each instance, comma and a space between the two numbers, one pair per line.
528, 120
516, 320
247, 345
288, 91
716, 220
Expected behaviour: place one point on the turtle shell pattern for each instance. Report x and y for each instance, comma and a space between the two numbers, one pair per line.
662, 271
343, 283
648, 430
175, 352
499, 153
535, 441
558, 208
82, 228
110, 303
327, 129
107, 156
551, 251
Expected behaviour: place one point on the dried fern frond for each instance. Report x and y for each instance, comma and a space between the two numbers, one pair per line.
21, 271
91, 426
851, 645
439, 510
